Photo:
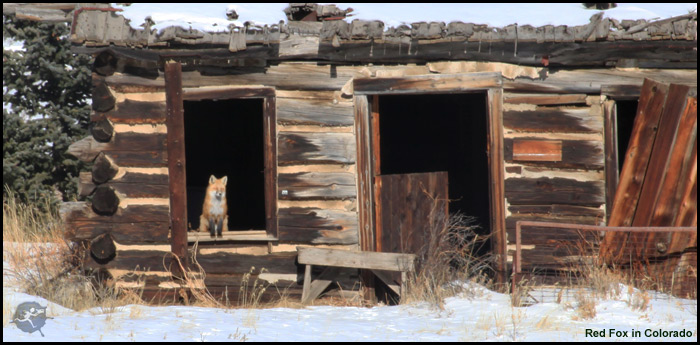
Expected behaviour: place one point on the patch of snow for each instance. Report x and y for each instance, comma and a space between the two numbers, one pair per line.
479, 315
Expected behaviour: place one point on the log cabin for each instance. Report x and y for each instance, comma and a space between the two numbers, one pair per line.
333, 132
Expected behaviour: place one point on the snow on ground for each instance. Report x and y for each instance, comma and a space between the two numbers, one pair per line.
482, 315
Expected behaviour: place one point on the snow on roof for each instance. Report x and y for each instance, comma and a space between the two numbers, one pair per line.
212, 17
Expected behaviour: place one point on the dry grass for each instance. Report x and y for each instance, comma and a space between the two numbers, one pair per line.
585, 306
249, 297
447, 256
42, 263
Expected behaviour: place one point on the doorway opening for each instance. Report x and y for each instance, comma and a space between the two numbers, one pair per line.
626, 112
441, 132
226, 138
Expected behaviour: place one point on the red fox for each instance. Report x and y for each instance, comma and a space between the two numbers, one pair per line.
214, 216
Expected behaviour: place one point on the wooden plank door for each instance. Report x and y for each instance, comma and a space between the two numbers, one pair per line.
405, 205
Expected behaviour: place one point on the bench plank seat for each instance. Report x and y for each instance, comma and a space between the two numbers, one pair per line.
378, 263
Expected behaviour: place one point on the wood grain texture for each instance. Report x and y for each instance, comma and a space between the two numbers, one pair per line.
638, 153
537, 150
321, 186
531, 191
316, 148
427, 84
578, 154
319, 112
317, 225
345, 258
176, 160
134, 112
560, 120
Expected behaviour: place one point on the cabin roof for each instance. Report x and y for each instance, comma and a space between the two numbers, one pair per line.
329, 21
324, 33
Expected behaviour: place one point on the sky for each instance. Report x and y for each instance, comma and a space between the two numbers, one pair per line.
212, 17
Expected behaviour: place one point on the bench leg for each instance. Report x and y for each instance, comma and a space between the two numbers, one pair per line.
307, 284
404, 278
386, 278
317, 286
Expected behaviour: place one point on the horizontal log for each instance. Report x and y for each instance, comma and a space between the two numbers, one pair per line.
200, 93
537, 150
543, 235
656, 53
557, 210
539, 99
530, 191
619, 92
134, 112
75, 212
214, 264
148, 232
577, 154
592, 81
244, 235
312, 236
132, 184
308, 77
218, 263
310, 186
88, 148
429, 83
367, 260
130, 190
139, 159
227, 263
320, 112
314, 225
553, 120
316, 148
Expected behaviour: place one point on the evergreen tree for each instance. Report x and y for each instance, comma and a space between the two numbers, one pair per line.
46, 107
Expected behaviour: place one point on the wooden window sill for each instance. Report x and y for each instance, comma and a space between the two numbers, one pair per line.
247, 236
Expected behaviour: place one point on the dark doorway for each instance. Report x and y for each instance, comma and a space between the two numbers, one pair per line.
626, 112
225, 138
440, 132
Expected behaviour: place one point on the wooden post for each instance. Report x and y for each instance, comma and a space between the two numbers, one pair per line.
612, 171
175, 123
496, 183
365, 188
270, 139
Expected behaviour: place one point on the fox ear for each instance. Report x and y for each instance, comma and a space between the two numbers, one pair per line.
212, 179
225, 178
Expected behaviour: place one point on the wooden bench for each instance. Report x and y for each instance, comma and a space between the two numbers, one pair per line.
378, 263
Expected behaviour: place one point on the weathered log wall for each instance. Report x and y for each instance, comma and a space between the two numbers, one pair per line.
554, 159
316, 182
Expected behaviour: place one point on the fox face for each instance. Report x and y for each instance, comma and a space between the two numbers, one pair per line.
214, 216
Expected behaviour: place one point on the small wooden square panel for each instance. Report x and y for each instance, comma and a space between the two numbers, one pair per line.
537, 150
